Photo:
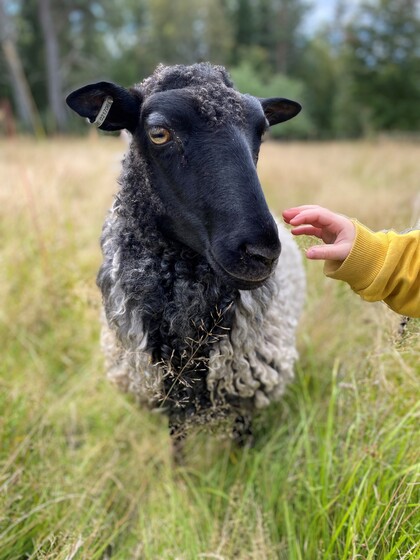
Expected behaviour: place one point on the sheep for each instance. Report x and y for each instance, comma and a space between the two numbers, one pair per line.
202, 289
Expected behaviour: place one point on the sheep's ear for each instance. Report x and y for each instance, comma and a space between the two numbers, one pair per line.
109, 106
278, 109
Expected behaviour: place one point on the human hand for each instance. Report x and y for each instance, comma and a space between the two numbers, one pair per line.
337, 231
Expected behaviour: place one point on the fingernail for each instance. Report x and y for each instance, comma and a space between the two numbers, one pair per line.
310, 253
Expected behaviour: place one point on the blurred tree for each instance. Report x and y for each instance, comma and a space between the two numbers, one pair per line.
21, 91
188, 31
318, 68
271, 25
279, 31
351, 77
108, 40
242, 17
95, 41
217, 33
323, 67
277, 85
383, 59
53, 66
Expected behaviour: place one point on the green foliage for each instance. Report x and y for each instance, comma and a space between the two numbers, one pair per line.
318, 69
277, 85
385, 63
360, 76
271, 26
189, 30
363, 74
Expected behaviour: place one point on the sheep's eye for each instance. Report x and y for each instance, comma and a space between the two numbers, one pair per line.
159, 135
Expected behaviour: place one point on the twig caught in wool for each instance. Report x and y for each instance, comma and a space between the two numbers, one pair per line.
195, 359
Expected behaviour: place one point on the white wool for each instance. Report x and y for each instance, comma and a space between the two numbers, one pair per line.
257, 359
254, 361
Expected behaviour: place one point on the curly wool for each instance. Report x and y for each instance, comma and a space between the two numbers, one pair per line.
175, 334
210, 86
217, 348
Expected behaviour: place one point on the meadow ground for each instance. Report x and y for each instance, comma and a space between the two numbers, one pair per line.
86, 475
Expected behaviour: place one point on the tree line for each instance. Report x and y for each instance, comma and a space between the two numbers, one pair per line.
359, 74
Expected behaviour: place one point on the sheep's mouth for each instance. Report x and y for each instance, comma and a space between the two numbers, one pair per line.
242, 282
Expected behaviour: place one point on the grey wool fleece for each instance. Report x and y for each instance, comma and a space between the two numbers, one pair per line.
174, 332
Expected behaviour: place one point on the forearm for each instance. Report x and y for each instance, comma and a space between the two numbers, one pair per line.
383, 266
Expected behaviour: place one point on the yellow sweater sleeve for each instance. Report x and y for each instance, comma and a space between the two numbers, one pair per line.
383, 266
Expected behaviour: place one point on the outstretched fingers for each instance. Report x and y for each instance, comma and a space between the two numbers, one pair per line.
314, 215
335, 230
314, 220
291, 213
307, 230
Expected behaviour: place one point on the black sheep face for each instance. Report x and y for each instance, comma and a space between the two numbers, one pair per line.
201, 155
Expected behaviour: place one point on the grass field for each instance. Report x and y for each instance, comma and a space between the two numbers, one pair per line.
86, 475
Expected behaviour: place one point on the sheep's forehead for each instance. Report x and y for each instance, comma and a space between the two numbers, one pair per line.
209, 86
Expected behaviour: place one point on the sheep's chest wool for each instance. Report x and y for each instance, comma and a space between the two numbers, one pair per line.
202, 290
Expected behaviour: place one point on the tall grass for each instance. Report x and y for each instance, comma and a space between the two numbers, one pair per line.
86, 475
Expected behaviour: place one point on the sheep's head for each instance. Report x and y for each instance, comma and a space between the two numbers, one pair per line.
201, 139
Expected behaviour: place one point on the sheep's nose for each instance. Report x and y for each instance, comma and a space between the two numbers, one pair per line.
266, 255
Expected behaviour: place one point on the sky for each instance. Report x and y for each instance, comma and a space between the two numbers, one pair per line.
323, 11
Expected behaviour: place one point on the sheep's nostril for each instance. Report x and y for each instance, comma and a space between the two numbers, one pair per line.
263, 260
259, 258
263, 254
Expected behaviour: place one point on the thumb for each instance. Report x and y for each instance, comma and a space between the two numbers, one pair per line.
337, 252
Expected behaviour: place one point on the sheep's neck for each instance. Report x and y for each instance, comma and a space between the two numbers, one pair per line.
184, 308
